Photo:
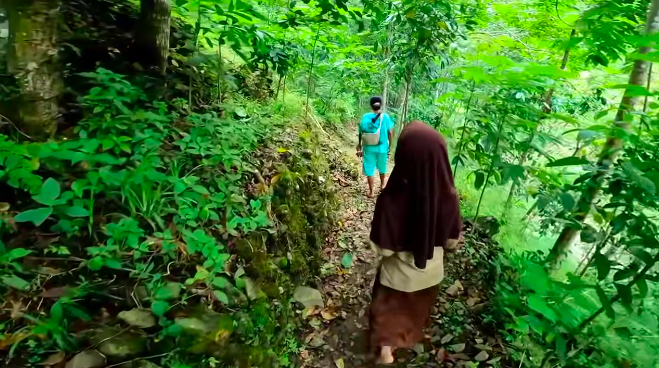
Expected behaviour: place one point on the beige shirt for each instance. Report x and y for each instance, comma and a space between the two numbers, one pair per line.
397, 270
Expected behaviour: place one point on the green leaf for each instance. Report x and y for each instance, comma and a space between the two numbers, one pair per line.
200, 189
642, 285
95, 263
159, 307
625, 293
347, 260
480, 179
50, 190
179, 187
539, 305
626, 272
15, 282
568, 201
16, 253
37, 217
221, 296
76, 211
603, 266
169, 290
220, 282
605, 302
568, 161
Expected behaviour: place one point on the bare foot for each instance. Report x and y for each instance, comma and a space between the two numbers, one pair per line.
386, 355
369, 194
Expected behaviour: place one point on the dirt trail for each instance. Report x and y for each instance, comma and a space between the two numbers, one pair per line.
336, 334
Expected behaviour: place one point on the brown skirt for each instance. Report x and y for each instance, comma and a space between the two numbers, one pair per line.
397, 318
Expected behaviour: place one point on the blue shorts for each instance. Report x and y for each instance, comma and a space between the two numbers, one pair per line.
372, 160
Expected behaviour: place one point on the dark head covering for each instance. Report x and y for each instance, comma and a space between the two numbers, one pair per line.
376, 103
419, 208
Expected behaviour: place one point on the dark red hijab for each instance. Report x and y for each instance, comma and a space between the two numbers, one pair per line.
419, 208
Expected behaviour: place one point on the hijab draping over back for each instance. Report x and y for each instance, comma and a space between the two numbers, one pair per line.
419, 209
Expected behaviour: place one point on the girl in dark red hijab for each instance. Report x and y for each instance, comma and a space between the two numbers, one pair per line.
416, 218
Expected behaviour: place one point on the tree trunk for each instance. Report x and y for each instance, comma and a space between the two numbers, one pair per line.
385, 84
464, 129
612, 147
153, 34
33, 62
406, 97
313, 56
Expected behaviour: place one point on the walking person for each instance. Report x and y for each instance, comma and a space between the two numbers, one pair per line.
376, 131
417, 218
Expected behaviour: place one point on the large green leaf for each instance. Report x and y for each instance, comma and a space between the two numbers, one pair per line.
480, 179
539, 305
603, 266
605, 302
625, 293
568, 161
15, 282
77, 211
37, 217
49, 193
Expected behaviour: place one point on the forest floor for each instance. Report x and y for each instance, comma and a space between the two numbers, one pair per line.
460, 334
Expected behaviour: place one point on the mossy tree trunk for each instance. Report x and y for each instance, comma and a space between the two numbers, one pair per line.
613, 146
153, 33
33, 62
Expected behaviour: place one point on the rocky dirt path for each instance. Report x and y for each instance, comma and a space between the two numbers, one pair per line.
458, 336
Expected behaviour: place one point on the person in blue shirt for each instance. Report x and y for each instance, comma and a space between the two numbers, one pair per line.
375, 156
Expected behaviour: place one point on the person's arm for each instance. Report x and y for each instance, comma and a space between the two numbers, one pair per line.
359, 142
390, 133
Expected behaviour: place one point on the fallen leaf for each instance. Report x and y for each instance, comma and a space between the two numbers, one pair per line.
458, 348
56, 292
442, 355
455, 288
309, 297
339, 363
472, 301
87, 359
459, 356
53, 359
482, 356
446, 338
329, 314
494, 360
482, 347
142, 318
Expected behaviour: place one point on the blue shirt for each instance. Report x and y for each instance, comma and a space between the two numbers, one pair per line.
368, 126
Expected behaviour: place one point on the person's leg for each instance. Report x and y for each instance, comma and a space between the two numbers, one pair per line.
369, 161
382, 168
386, 355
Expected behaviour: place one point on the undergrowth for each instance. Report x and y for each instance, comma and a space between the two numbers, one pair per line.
151, 232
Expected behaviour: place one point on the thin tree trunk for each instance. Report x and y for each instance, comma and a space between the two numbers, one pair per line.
406, 97
153, 33
590, 256
491, 169
464, 128
546, 109
385, 83
33, 62
612, 147
313, 56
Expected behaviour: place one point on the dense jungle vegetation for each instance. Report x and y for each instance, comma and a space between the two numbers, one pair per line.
173, 175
